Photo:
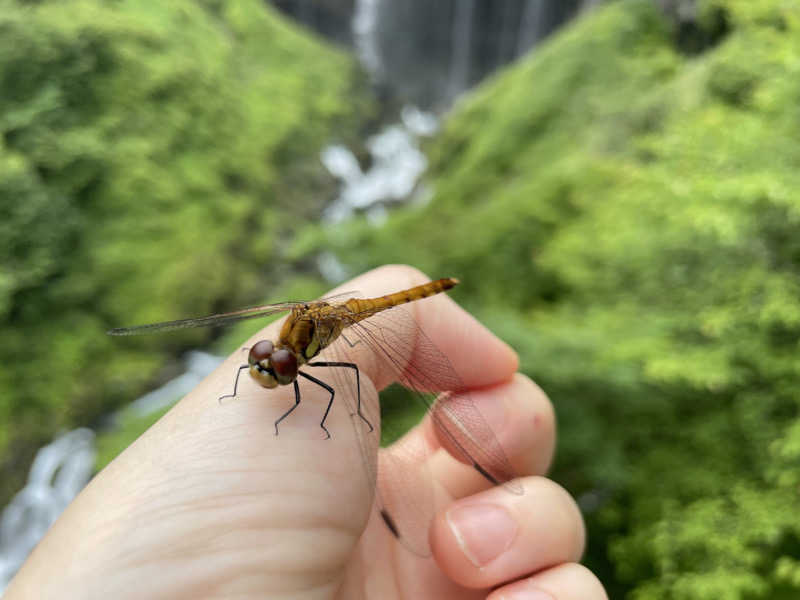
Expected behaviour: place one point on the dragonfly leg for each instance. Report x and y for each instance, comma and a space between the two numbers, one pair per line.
288, 412
235, 384
330, 402
358, 384
349, 343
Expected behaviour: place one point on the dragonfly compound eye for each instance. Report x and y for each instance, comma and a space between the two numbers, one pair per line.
284, 364
260, 351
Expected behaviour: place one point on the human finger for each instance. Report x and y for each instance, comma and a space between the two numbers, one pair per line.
434, 345
203, 488
493, 537
569, 581
523, 421
410, 465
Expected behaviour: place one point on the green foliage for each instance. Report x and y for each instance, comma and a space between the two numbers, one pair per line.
626, 215
154, 158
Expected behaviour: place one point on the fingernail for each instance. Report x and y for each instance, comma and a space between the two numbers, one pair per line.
483, 531
525, 593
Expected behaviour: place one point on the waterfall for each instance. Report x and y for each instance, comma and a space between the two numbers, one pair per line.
531, 24
364, 25
59, 472
461, 41
396, 165
507, 34
425, 53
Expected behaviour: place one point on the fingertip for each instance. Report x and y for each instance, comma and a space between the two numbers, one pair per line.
522, 423
569, 581
496, 536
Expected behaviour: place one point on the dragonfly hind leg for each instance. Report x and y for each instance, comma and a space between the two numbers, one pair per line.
235, 384
358, 384
288, 412
349, 343
327, 410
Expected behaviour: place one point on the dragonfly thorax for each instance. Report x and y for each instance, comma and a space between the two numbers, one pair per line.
299, 341
271, 366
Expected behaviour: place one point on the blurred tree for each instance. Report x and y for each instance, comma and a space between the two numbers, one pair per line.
624, 209
154, 158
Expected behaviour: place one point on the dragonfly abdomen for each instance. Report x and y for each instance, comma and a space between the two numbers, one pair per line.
367, 307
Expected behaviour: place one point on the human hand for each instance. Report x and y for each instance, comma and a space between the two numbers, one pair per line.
210, 503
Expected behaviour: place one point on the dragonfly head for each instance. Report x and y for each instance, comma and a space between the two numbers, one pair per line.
271, 367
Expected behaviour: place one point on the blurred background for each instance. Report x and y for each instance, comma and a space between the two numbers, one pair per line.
615, 183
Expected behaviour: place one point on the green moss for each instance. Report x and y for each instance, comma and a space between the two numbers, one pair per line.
626, 215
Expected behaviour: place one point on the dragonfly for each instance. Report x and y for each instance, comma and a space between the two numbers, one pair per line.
315, 326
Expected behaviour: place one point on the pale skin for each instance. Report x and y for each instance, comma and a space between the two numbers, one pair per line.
210, 503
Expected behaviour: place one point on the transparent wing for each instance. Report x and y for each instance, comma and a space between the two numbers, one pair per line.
345, 382
405, 488
253, 312
209, 321
422, 367
341, 297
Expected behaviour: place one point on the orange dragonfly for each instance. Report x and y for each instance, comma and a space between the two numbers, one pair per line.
314, 326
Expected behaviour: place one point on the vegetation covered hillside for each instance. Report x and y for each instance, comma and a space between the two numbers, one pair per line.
154, 158
623, 206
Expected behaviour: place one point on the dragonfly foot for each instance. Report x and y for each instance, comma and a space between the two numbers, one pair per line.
235, 384
363, 418
221, 398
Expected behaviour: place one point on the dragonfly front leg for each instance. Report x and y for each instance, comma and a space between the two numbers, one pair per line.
235, 384
358, 384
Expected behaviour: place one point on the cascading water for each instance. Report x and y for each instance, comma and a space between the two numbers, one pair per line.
363, 26
59, 472
395, 168
461, 44
397, 162
426, 53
